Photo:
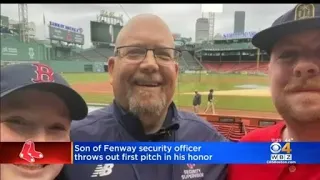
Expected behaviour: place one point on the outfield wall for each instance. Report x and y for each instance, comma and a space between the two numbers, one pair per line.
76, 66
65, 66
13, 51
245, 120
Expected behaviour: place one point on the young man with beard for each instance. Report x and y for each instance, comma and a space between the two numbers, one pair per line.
36, 104
293, 42
143, 73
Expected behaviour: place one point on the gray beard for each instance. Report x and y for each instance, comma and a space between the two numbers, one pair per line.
151, 105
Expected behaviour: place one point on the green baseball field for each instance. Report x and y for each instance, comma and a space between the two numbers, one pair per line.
234, 93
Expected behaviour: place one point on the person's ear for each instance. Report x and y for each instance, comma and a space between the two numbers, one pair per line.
111, 64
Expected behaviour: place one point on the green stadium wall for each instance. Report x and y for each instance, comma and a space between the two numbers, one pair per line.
76, 66
14, 51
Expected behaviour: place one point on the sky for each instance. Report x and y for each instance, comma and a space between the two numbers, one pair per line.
181, 18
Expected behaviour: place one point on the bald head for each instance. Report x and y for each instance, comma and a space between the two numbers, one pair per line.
132, 67
145, 29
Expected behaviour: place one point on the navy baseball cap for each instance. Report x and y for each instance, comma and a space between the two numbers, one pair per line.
42, 77
301, 18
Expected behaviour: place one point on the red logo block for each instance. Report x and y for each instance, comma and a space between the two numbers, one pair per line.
29, 153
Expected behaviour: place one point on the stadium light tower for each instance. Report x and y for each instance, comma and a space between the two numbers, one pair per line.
211, 25
211, 9
23, 22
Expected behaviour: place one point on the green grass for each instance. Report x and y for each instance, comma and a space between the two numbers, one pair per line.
97, 98
189, 83
231, 102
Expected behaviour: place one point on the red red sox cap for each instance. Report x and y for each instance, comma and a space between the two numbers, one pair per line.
41, 76
301, 18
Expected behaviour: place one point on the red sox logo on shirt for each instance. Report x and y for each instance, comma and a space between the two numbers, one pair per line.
191, 166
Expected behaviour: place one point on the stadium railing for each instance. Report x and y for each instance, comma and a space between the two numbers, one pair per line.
235, 127
246, 120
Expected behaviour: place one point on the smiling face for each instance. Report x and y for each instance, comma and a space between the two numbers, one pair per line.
294, 72
36, 115
147, 86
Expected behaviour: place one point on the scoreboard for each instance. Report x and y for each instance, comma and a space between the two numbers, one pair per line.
104, 32
64, 33
100, 32
66, 36
4, 21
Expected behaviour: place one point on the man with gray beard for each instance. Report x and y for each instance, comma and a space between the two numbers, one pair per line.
143, 73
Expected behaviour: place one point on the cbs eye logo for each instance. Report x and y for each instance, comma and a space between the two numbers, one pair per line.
277, 148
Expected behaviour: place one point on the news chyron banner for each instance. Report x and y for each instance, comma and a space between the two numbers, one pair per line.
159, 153
36, 152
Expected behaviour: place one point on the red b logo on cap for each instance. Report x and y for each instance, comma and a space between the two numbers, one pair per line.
43, 73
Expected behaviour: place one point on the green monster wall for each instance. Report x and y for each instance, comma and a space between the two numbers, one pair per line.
15, 51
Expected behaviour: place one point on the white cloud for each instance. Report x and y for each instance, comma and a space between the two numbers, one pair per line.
181, 18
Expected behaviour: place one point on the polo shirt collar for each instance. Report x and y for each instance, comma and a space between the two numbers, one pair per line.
133, 125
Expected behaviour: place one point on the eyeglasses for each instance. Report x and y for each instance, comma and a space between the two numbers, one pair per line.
138, 54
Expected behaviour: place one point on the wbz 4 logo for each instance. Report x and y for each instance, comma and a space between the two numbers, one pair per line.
281, 153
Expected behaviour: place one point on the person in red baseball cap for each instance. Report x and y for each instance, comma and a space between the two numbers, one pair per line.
293, 43
36, 104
